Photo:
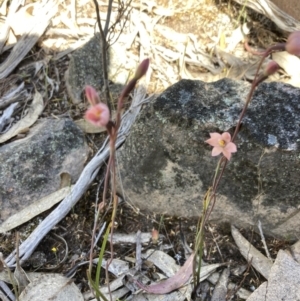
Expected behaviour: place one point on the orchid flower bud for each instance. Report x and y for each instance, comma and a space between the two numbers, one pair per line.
271, 68
142, 69
139, 73
293, 43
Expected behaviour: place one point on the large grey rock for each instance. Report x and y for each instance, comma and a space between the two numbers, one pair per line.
166, 166
30, 168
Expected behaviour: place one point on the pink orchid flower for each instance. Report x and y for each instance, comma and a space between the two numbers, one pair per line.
222, 144
98, 114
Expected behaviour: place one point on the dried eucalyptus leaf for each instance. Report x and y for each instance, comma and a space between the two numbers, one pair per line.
34, 209
35, 109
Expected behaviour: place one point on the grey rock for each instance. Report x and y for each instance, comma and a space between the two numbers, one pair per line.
85, 68
30, 168
166, 166
283, 282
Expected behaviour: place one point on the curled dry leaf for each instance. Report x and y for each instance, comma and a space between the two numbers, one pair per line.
51, 287
260, 262
35, 109
172, 283
34, 209
89, 128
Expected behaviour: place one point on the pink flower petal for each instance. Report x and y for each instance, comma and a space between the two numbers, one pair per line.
212, 142
98, 114
226, 137
230, 147
226, 154
214, 139
215, 135
217, 150
92, 95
